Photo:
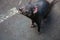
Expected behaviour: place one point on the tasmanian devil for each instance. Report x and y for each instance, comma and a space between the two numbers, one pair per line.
37, 11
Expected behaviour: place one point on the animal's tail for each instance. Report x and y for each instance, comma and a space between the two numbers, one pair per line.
54, 2
50, 7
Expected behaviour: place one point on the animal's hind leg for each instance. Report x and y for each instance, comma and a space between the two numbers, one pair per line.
39, 25
38, 22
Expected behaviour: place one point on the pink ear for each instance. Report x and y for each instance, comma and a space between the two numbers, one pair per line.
35, 10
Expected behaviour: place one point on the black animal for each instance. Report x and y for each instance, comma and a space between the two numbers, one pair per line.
37, 11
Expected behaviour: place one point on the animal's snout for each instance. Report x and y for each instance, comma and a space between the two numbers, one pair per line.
20, 9
25, 11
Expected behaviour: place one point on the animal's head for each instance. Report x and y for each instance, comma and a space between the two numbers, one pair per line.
26, 10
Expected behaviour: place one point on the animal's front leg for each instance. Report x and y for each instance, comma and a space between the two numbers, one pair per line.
33, 24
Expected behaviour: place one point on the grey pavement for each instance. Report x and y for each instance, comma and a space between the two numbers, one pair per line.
6, 5
17, 27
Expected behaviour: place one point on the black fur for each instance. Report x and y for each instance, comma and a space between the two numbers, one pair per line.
41, 14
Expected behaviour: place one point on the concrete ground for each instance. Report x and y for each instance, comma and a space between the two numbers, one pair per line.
17, 27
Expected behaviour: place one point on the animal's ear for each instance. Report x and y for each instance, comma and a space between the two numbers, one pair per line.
35, 9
